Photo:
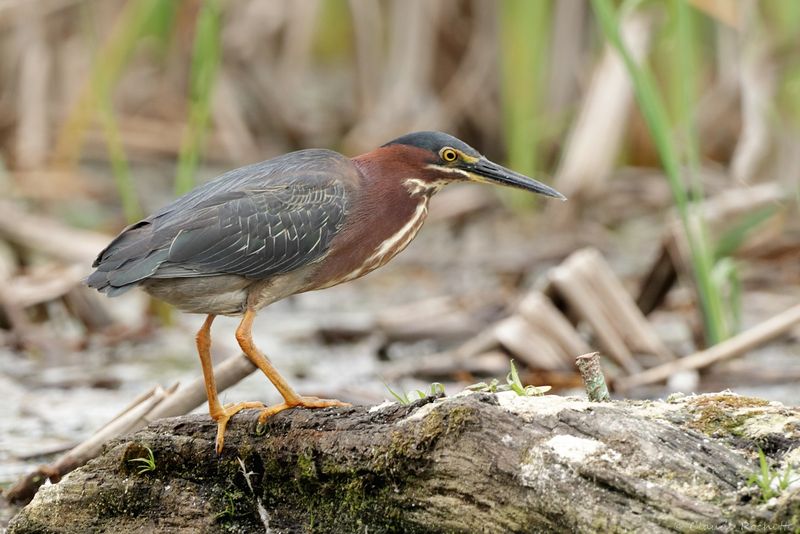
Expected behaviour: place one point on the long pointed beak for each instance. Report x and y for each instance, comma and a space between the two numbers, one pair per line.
491, 172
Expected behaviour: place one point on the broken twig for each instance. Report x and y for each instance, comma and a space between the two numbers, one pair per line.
593, 379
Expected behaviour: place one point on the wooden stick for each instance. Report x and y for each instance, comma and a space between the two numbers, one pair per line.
528, 343
29, 290
620, 307
589, 155
580, 296
25, 488
48, 236
730, 348
133, 419
139, 399
540, 311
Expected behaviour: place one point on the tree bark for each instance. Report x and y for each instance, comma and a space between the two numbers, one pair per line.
471, 463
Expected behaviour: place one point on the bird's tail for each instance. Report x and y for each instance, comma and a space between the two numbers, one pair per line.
126, 261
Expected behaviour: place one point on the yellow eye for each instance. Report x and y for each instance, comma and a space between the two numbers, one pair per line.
449, 155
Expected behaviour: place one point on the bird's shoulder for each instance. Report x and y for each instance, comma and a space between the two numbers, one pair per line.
282, 180
268, 219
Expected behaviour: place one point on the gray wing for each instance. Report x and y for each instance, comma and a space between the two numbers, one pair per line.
256, 222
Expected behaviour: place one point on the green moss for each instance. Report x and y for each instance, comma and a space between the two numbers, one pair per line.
306, 466
459, 419
229, 503
347, 495
728, 400
134, 499
417, 441
296, 484
342, 501
723, 414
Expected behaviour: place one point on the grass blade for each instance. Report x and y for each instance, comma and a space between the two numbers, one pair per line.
119, 162
525, 35
106, 70
205, 63
655, 115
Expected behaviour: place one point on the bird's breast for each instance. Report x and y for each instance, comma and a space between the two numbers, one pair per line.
373, 239
394, 243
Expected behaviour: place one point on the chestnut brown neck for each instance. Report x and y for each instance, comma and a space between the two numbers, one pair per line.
388, 166
389, 208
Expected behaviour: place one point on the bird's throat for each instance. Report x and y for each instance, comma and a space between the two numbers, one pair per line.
424, 188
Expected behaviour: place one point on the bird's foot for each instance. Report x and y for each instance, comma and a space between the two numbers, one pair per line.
228, 411
302, 402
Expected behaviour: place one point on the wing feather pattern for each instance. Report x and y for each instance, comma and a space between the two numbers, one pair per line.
257, 222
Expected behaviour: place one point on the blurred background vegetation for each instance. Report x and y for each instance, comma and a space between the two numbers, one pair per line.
105, 106
126, 83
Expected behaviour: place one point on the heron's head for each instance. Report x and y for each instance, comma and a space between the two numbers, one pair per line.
442, 158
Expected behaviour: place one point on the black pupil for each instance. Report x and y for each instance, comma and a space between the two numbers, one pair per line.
449, 155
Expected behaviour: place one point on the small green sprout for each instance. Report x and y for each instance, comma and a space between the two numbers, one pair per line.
513, 383
436, 388
403, 398
769, 481
145, 464
492, 387
230, 506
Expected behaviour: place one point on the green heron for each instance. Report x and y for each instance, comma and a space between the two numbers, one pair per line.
306, 220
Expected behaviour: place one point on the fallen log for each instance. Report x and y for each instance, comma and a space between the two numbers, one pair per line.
475, 462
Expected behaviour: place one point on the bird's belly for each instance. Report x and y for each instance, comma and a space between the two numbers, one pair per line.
218, 295
227, 294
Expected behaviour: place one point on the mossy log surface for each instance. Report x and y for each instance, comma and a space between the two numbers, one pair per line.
471, 463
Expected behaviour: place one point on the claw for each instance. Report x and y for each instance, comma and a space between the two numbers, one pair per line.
222, 418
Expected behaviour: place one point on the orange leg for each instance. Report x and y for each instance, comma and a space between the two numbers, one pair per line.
244, 335
219, 413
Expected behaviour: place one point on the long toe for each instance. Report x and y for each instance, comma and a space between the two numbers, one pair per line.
316, 402
300, 402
